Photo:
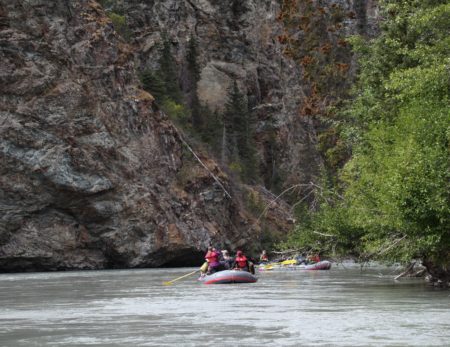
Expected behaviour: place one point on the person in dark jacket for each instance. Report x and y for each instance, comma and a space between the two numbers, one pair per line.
301, 259
226, 260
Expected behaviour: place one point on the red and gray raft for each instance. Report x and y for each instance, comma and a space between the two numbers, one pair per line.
228, 276
321, 265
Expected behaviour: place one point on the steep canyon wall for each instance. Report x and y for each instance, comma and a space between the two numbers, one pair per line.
93, 175
90, 169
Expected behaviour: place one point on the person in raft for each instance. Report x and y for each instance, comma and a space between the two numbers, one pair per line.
301, 259
263, 258
226, 261
212, 258
313, 258
205, 266
240, 262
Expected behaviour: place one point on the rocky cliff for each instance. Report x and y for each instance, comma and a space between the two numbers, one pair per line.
240, 40
93, 175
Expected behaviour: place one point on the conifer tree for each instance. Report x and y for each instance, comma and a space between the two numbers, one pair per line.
153, 83
191, 58
237, 137
168, 72
193, 78
212, 131
163, 83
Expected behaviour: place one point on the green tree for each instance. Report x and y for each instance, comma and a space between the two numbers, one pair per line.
193, 77
395, 193
163, 83
192, 58
168, 72
238, 143
115, 11
213, 127
154, 84
120, 24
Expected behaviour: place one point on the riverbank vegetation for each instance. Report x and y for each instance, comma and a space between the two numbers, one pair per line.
391, 198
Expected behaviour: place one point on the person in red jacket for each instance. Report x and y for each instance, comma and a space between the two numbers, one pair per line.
240, 262
313, 258
212, 258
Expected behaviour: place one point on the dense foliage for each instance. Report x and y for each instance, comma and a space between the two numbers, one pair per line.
392, 200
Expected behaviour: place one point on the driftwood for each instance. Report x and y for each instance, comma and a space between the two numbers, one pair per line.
322, 234
410, 271
407, 271
367, 257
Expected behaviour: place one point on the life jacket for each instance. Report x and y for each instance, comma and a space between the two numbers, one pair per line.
241, 261
315, 259
212, 257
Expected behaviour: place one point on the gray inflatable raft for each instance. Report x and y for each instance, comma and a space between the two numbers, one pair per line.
229, 276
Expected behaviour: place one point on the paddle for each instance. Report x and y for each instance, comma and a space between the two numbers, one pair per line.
181, 277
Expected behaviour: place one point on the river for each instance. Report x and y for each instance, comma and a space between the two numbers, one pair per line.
340, 307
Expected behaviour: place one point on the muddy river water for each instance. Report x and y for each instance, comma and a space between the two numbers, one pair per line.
340, 307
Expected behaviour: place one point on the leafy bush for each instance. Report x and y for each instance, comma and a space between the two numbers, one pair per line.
395, 200
177, 112
120, 25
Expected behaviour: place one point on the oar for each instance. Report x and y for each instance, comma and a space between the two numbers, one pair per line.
181, 277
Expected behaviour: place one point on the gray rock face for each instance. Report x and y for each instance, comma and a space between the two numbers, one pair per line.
238, 40
92, 175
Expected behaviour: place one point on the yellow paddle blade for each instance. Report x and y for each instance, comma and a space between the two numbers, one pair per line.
289, 262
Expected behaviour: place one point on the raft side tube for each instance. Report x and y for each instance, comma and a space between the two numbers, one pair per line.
229, 276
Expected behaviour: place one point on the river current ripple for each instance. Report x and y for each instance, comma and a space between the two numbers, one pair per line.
340, 307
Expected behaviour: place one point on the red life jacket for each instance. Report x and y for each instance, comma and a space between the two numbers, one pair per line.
241, 261
315, 258
212, 257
